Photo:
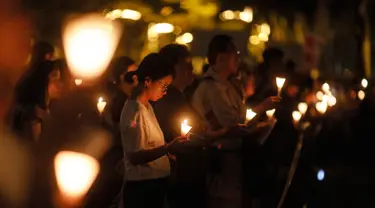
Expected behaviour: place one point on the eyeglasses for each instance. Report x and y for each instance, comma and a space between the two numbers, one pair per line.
163, 86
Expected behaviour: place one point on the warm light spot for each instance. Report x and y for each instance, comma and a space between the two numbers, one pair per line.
361, 95
302, 108
250, 114
364, 83
228, 15
254, 40
263, 37
75, 173
270, 113
296, 116
265, 28
89, 43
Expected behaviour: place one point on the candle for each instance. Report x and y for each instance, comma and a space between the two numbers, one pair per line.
101, 105
364, 83
321, 107
78, 82
302, 108
75, 173
280, 83
270, 113
296, 116
361, 94
89, 44
250, 115
325, 87
185, 128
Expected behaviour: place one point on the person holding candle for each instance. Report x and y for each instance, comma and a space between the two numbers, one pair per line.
188, 170
218, 100
147, 165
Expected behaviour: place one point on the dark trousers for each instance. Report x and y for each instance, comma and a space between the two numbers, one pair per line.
145, 194
187, 196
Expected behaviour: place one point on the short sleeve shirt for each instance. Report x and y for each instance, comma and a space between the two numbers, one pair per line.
140, 130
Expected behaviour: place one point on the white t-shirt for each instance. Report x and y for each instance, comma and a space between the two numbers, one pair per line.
140, 130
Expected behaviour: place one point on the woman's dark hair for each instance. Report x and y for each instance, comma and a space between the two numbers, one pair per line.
40, 50
218, 45
154, 67
175, 52
120, 66
31, 89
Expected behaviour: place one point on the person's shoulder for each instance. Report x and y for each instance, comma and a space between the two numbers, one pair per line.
130, 110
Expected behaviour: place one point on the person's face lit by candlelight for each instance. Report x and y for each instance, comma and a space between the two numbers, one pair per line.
158, 88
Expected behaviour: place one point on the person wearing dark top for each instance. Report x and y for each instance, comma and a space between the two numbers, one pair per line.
187, 171
32, 96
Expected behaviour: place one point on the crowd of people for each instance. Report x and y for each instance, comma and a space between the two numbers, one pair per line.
222, 162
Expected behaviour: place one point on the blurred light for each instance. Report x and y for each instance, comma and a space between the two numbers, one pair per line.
78, 82
101, 105
321, 107
75, 173
361, 95
325, 87
320, 175
296, 116
302, 107
364, 83
250, 114
228, 15
265, 28
89, 43
177, 30
165, 11
254, 40
131, 14
319, 95
263, 37
161, 28
270, 113
185, 38
280, 82
331, 101
325, 98
247, 15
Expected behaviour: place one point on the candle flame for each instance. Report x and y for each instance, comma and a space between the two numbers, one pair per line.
185, 128
250, 114
361, 94
364, 83
280, 82
89, 44
270, 113
101, 104
321, 107
319, 95
296, 116
325, 87
302, 107
332, 101
78, 82
75, 173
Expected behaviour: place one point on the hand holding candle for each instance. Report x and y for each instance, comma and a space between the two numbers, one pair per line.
101, 105
279, 83
185, 128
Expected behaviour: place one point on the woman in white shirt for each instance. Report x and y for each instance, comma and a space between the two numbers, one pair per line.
146, 154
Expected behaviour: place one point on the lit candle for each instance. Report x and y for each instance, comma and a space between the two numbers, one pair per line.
89, 44
270, 113
302, 108
75, 173
250, 115
319, 95
101, 105
361, 94
279, 83
78, 82
296, 116
321, 107
364, 83
332, 101
325, 87
185, 128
